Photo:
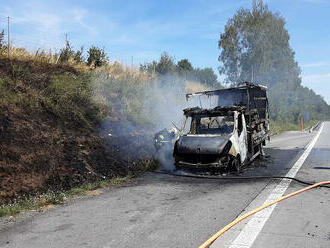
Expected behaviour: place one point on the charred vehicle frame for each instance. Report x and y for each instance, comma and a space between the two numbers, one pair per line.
228, 135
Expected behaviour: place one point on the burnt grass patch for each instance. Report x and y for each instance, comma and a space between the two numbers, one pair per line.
50, 132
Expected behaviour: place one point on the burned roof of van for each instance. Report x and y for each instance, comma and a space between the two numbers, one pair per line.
252, 96
226, 110
243, 86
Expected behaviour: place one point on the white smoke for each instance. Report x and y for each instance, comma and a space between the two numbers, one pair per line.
156, 104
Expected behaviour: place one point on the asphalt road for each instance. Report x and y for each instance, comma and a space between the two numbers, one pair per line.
166, 211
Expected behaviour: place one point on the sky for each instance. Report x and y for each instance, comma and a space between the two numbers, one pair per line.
139, 31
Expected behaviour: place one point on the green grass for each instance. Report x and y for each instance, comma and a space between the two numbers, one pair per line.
57, 198
277, 127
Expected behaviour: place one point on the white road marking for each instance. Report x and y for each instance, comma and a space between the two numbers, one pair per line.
251, 230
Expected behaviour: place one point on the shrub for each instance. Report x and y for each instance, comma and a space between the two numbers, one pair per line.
66, 53
97, 57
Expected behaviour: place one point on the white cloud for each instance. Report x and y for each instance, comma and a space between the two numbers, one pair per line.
39, 30
316, 64
79, 16
38, 25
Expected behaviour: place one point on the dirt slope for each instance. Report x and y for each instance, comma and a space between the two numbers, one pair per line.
42, 144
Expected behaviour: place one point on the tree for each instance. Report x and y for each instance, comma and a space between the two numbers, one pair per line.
184, 65
66, 53
2, 35
184, 68
2, 46
78, 56
206, 76
148, 67
97, 57
255, 47
165, 65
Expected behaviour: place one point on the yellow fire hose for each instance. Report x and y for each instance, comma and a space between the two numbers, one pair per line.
239, 219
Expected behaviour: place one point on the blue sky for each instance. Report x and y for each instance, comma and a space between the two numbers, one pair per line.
185, 29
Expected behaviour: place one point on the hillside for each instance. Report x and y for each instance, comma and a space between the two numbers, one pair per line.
50, 128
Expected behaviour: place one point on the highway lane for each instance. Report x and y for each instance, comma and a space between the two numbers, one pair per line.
154, 210
302, 221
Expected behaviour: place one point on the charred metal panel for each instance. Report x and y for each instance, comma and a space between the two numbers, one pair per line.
228, 110
258, 101
201, 144
252, 96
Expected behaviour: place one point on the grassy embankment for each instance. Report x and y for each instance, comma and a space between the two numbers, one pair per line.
50, 199
52, 130
277, 127
67, 129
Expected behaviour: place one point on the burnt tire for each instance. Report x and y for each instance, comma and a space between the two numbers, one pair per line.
236, 164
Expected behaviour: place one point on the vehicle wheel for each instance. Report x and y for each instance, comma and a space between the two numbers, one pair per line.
236, 164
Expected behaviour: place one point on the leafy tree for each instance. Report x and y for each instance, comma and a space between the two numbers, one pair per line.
78, 55
97, 57
165, 65
183, 69
288, 102
206, 76
2, 45
2, 35
185, 65
255, 46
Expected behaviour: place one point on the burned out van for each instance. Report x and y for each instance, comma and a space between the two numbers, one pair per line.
227, 135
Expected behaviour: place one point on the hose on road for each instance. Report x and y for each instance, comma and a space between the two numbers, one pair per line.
239, 219
237, 177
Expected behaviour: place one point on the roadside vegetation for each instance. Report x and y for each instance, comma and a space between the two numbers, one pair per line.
50, 199
277, 127
68, 121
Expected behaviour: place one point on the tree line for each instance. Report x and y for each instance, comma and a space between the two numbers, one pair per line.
183, 68
96, 56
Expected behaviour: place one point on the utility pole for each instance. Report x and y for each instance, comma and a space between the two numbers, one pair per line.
8, 35
252, 75
132, 62
301, 122
66, 38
